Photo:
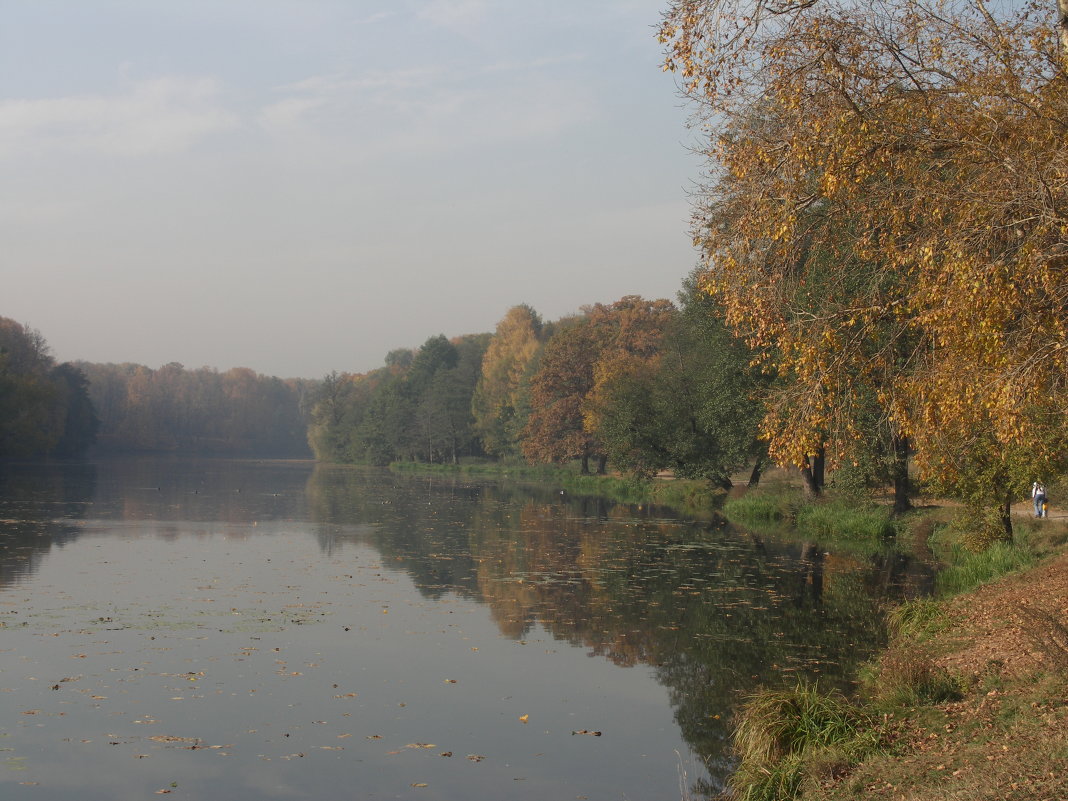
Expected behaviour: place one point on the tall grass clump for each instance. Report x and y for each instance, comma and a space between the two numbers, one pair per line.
967, 569
907, 675
916, 620
760, 508
782, 734
846, 521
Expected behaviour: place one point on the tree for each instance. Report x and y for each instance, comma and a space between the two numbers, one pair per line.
912, 158
44, 409
569, 392
80, 422
501, 400
554, 431
694, 408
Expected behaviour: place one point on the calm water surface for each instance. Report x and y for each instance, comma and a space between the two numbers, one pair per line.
273, 630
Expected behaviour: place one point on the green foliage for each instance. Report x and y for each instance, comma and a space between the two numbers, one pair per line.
416, 408
80, 423
693, 409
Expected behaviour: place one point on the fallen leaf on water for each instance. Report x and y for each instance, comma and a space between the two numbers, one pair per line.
524, 718
420, 745
587, 731
419, 784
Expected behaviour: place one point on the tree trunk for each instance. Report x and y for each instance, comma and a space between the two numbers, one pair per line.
1006, 516
602, 465
585, 464
813, 473
758, 471
900, 471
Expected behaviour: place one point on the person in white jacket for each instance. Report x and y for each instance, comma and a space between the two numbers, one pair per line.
1038, 497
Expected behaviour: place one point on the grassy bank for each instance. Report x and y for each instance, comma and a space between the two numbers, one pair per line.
858, 526
694, 498
968, 701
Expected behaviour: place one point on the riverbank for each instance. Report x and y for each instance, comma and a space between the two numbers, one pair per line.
696, 498
1005, 733
968, 701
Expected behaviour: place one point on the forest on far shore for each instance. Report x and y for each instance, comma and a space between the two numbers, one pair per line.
61, 410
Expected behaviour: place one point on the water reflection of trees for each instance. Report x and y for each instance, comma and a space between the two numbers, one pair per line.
39, 509
45, 505
713, 610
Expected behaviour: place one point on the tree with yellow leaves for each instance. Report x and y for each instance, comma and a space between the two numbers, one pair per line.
887, 215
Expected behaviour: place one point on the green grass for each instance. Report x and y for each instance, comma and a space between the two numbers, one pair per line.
696, 498
967, 570
863, 528
783, 736
918, 620
759, 508
837, 521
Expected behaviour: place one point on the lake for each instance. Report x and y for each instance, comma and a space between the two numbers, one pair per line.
282, 630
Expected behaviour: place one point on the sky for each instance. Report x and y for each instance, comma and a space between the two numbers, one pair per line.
301, 186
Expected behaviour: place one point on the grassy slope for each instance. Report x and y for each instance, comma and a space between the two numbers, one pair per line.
971, 697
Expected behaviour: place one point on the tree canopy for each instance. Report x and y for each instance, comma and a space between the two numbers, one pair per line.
884, 217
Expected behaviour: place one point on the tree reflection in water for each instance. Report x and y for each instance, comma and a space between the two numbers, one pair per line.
714, 610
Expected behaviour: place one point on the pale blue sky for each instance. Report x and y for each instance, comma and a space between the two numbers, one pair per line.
299, 187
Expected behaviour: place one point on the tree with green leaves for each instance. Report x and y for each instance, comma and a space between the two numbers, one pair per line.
694, 408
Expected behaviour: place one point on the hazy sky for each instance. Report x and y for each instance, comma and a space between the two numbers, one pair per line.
300, 187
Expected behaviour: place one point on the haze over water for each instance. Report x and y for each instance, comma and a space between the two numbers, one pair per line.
238, 630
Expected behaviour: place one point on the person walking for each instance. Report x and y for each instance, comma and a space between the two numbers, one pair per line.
1038, 497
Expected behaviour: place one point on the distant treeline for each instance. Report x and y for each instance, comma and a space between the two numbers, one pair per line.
172, 409
640, 384
44, 407
61, 410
